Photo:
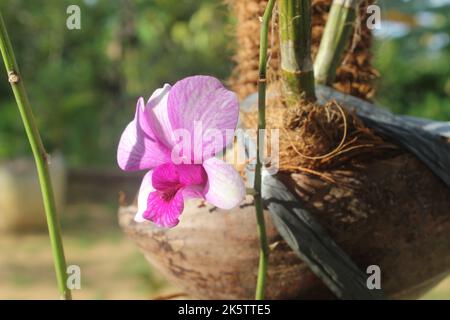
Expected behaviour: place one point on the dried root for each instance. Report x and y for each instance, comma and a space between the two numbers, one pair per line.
315, 138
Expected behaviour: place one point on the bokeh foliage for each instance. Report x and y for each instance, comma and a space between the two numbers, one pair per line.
84, 84
414, 58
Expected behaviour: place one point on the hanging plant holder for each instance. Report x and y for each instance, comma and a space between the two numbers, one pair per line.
356, 187
213, 253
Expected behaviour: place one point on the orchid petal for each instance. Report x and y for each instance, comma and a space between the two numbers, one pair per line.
169, 176
158, 117
153, 204
192, 174
194, 179
139, 148
203, 100
225, 188
164, 212
195, 191
144, 192
165, 177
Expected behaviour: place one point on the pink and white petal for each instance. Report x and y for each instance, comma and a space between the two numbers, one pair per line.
138, 147
144, 192
195, 191
164, 213
203, 100
157, 115
225, 188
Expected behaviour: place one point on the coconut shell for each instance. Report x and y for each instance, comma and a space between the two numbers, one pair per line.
387, 209
389, 213
213, 254
393, 213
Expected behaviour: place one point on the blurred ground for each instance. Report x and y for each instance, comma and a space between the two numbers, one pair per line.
111, 266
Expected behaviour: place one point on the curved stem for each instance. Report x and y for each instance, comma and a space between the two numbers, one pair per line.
264, 248
40, 157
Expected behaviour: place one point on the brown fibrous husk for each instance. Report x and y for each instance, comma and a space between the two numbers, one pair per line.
316, 138
378, 202
312, 138
355, 76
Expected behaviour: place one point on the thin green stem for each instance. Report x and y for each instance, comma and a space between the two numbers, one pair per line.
261, 226
334, 40
297, 71
40, 157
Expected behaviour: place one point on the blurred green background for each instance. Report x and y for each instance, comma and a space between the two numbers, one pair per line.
83, 85
412, 53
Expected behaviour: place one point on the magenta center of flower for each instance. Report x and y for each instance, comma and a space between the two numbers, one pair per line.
168, 195
172, 183
168, 179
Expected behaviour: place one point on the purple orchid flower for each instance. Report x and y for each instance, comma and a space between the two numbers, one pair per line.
149, 141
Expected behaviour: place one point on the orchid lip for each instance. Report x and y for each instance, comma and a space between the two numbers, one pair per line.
168, 195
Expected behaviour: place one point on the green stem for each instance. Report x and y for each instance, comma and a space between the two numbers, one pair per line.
297, 71
261, 226
40, 157
334, 40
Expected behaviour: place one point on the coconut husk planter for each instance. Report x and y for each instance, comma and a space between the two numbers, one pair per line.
383, 208
376, 199
213, 254
376, 184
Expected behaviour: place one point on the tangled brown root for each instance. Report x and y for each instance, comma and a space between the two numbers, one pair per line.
318, 138
355, 75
